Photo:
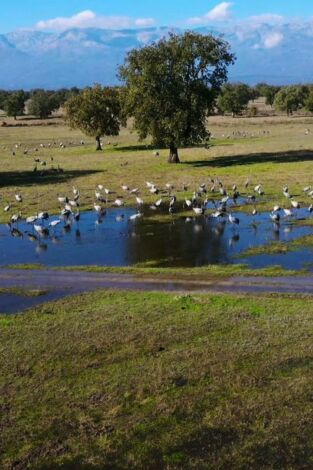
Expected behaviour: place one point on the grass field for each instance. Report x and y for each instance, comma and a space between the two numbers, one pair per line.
115, 380
276, 151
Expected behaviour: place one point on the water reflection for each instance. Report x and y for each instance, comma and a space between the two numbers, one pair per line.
114, 239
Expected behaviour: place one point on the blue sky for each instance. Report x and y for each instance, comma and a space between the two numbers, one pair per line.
17, 14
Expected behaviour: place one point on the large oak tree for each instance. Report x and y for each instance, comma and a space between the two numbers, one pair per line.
96, 112
171, 86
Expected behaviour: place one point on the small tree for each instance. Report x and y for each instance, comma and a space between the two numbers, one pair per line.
291, 98
15, 103
171, 87
96, 112
309, 101
234, 98
42, 104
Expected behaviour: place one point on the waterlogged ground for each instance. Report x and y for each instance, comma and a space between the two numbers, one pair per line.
115, 240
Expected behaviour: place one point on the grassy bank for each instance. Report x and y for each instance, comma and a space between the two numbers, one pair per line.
146, 269
116, 380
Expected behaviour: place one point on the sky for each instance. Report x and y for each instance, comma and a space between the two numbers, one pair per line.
49, 15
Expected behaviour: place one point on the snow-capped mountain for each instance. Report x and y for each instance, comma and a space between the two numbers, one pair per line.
78, 57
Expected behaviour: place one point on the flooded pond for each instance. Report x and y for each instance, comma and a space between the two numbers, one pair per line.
115, 240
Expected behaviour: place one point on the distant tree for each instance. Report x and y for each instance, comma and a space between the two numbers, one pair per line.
234, 98
171, 87
15, 103
3, 97
96, 112
309, 101
291, 98
42, 104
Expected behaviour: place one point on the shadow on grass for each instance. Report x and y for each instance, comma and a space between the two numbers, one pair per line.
75, 464
28, 178
291, 156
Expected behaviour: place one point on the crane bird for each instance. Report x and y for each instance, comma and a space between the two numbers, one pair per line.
18, 198
31, 219
135, 216
54, 223
233, 220
198, 210
275, 216
119, 202
295, 204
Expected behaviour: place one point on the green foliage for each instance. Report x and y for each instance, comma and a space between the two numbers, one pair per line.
96, 112
3, 97
234, 98
42, 104
309, 101
171, 87
267, 91
291, 98
15, 103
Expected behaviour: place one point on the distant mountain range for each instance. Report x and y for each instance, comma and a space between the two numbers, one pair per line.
278, 54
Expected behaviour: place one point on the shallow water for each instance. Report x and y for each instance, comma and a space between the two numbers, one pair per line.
118, 241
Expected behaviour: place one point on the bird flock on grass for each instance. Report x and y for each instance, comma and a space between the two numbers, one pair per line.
211, 199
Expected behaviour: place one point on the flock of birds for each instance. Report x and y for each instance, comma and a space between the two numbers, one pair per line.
212, 195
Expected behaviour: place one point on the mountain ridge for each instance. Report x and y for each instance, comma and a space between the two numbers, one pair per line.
278, 54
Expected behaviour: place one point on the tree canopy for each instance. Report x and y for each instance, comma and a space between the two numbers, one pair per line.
14, 104
291, 98
172, 85
234, 98
42, 104
96, 112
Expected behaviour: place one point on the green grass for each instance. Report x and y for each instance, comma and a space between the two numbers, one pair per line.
275, 159
279, 247
22, 292
125, 380
146, 269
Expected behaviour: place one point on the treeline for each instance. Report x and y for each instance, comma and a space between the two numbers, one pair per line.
233, 98
39, 102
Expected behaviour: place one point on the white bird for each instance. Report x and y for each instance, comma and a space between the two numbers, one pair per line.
97, 208
198, 210
54, 223
43, 215
15, 218
18, 197
276, 208
188, 202
31, 219
139, 201
135, 216
158, 202
107, 191
288, 212
119, 202
125, 187
275, 217
233, 220
75, 191
63, 199
134, 191
7, 208
100, 186
295, 204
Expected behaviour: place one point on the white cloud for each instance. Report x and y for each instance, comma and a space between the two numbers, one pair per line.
144, 22
221, 12
88, 19
273, 40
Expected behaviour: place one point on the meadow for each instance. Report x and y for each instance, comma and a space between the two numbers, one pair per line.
273, 151
116, 380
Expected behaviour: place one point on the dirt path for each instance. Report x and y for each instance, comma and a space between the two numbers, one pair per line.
61, 283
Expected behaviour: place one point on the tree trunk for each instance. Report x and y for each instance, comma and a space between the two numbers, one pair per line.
98, 147
173, 156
